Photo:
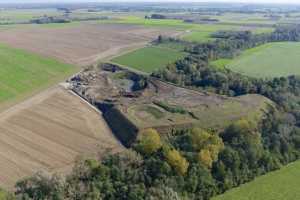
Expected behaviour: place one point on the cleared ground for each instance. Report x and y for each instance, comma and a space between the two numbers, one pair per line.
161, 105
80, 44
279, 185
266, 61
171, 106
150, 58
47, 132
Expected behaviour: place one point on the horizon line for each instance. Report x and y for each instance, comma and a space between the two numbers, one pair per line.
149, 1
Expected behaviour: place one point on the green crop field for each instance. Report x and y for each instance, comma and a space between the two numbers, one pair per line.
266, 61
150, 58
22, 73
282, 184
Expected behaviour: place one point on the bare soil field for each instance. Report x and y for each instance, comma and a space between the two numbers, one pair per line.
47, 133
82, 44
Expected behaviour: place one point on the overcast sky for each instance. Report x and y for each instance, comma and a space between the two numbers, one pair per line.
243, 1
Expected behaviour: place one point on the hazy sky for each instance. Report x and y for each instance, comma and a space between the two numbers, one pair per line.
243, 1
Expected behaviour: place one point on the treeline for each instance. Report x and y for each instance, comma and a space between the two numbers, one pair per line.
64, 19
48, 20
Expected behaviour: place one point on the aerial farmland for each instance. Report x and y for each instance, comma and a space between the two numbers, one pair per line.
142, 100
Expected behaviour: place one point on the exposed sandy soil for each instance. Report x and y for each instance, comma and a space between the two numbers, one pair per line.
47, 133
81, 44
151, 106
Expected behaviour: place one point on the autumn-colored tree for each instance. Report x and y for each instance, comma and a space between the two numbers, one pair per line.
150, 141
177, 161
200, 138
205, 157
208, 144
214, 150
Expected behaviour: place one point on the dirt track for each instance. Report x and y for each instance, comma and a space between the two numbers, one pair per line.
81, 44
47, 132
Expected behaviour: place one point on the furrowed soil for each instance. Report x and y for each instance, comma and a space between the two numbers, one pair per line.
47, 133
81, 44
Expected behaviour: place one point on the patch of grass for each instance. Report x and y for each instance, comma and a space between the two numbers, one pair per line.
172, 45
282, 184
22, 73
170, 108
153, 111
266, 61
197, 36
221, 63
5, 195
149, 59
119, 75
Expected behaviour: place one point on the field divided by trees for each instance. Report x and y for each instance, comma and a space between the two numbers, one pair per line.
194, 32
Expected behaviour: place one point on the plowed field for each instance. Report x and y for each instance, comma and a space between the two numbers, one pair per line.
81, 44
47, 133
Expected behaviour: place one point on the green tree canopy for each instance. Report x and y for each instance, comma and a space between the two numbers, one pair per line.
149, 141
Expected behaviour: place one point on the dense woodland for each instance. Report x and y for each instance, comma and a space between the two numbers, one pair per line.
194, 163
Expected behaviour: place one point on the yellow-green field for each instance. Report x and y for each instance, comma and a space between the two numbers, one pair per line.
266, 61
150, 58
279, 185
22, 73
